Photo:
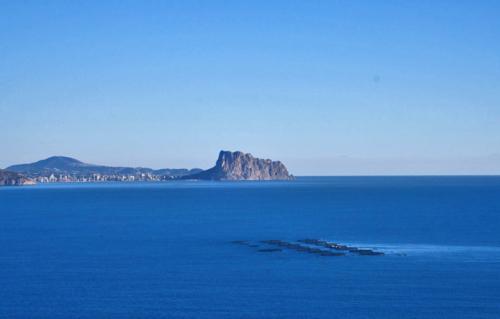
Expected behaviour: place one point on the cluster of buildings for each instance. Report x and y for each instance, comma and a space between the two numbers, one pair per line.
64, 178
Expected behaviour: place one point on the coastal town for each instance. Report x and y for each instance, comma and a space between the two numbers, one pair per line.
68, 178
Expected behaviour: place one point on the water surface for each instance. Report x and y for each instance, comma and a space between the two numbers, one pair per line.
164, 250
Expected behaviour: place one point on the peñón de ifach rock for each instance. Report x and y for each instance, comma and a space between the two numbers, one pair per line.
234, 166
13, 179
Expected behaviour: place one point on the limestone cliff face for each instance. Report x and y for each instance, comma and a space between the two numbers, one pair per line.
240, 166
13, 179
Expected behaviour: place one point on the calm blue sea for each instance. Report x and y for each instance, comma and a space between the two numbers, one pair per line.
164, 250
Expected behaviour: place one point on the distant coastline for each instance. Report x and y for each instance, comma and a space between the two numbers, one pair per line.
61, 169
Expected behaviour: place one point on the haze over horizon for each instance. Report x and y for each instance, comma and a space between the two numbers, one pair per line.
334, 88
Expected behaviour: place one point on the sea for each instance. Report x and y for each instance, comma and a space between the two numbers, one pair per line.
193, 249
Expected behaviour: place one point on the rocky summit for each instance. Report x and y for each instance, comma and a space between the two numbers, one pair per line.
243, 166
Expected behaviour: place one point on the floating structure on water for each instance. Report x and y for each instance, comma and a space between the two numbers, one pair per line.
335, 246
311, 246
300, 248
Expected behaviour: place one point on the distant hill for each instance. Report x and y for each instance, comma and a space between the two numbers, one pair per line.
241, 166
53, 164
62, 165
13, 179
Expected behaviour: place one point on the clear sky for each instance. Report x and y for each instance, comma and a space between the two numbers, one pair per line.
328, 87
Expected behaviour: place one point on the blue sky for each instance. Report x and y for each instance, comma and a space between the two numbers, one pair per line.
328, 87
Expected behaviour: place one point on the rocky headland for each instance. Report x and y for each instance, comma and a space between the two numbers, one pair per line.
232, 166
13, 179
